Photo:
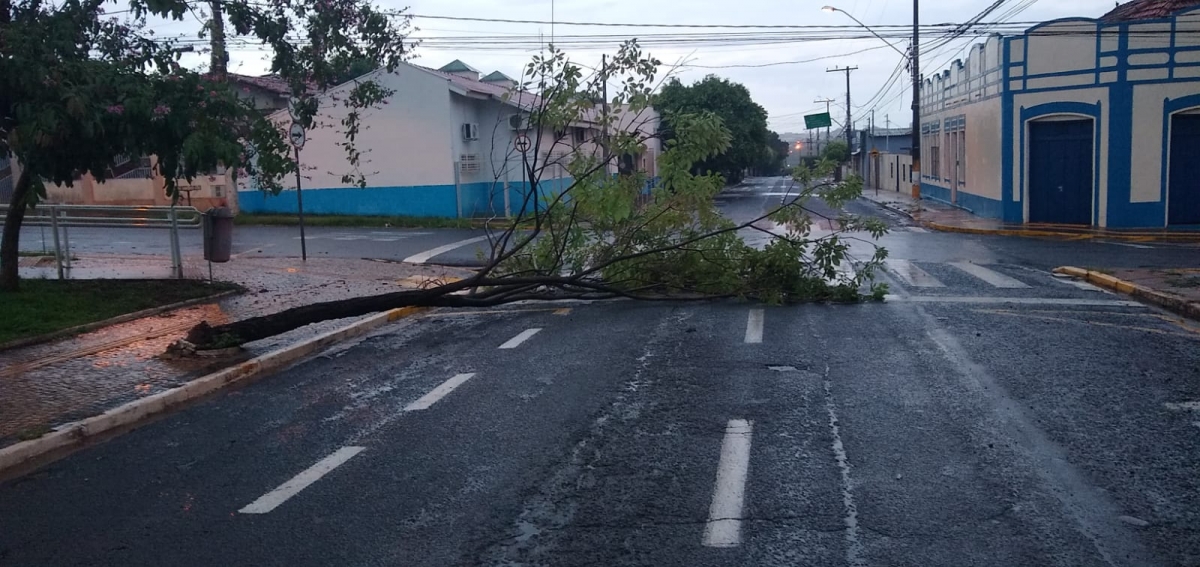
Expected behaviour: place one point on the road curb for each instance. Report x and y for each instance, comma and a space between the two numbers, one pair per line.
1171, 303
49, 447
1063, 234
88, 327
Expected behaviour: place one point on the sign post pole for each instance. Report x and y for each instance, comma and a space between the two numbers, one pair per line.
522, 144
296, 135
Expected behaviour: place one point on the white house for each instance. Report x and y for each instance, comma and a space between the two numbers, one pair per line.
1076, 121
442, 145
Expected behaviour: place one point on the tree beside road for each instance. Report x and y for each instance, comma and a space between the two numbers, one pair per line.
628, 235
79, 88
746, 120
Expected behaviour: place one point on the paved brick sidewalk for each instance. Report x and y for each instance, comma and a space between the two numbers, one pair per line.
946, 218
55, 383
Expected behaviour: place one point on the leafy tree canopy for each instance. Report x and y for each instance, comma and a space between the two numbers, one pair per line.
836, 151
731, 103
79, 87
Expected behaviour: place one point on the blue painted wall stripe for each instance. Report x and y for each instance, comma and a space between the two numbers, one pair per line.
478, 199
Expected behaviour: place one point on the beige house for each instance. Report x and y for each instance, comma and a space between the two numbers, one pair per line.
136, 181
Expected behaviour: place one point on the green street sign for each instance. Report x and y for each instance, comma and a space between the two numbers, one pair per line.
814, 121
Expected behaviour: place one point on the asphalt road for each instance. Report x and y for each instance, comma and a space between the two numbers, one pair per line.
461, 247
276, 241
995, 417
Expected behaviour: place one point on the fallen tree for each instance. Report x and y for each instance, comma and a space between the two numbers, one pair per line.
613, 232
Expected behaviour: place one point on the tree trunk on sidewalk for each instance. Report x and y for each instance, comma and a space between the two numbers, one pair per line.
9, 243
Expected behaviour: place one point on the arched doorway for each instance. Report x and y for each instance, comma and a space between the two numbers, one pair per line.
1183, 182
1061, 164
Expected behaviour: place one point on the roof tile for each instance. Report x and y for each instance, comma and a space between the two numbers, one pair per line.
1147, 10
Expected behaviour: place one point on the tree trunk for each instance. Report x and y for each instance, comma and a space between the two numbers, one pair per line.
9, 243
255, 328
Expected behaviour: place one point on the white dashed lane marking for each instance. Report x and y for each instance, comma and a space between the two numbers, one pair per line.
724, 527
274, 498
441, 391
754, 327
520, 338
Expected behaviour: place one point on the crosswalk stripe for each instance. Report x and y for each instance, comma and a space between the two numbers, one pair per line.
993, 277
910, 274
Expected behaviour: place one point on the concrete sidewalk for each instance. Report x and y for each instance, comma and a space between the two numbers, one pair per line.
66, 380
1174, 289
946, 218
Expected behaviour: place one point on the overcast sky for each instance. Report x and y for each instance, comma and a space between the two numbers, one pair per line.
786, 91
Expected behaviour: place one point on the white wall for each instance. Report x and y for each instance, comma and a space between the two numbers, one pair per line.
1059, 47
645, 123
892, 173
983, 153
408, 141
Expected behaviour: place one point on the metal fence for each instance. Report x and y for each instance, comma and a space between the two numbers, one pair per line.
60, 218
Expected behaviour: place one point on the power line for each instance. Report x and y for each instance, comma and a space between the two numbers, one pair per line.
758, 65
646, 25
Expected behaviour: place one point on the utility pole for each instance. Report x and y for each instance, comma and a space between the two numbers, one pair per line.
916, 102
849, 120
604, 107
219, 67
827, 101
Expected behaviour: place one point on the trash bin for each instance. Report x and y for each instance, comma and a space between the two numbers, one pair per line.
218, 234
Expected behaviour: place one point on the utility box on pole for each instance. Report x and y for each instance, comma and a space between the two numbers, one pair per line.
218, 234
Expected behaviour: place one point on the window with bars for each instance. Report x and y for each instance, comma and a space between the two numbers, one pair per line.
468, 163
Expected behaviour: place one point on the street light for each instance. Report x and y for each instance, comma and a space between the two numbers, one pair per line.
914, 56
832, 9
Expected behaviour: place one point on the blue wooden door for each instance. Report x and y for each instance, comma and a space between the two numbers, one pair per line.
1060, 172
1183, 196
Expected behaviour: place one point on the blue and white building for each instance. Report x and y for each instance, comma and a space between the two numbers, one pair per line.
441, 146
1076, 121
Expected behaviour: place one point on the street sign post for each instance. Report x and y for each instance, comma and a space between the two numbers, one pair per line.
815, 121
522, 144
296, 136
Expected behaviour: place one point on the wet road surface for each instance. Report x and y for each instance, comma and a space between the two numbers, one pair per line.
988, 414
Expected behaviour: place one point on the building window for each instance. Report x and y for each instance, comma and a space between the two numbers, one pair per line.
468, 163
579, 134
948, 174
935, 159
218, 190
962, 156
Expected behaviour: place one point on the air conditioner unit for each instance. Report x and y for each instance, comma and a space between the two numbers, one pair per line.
518, 122
470, 131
